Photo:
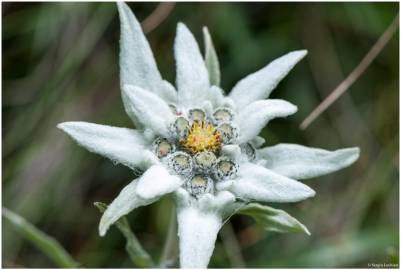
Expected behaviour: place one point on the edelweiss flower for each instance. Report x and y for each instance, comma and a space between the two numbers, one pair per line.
200, 145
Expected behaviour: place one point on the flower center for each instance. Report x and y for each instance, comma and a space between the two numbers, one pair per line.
201, 137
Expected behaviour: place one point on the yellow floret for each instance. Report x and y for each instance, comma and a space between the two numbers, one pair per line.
202, 137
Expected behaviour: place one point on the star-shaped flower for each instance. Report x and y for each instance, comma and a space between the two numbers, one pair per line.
200, 145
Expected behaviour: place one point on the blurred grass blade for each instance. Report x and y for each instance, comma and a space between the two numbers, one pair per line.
211, 60
348, 249
42, 241
273, 219
133, 247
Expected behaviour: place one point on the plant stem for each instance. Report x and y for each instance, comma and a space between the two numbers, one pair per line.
48, 245
354, 75
169, 252
161, 12
232, 246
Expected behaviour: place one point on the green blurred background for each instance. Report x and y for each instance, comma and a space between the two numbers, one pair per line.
60, 63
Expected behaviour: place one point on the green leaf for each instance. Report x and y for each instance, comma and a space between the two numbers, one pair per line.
273, 219
211, 60
133, 247
47, 244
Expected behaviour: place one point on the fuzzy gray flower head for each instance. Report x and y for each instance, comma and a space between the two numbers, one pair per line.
202, 146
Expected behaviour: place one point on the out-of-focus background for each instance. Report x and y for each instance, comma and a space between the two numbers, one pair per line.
60, 63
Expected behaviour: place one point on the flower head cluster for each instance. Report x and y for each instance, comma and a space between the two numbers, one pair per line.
193, 149
200, 145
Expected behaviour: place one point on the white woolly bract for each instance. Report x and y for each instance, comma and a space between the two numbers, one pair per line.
197, 233
156, 182
216, 96
192, 77
300, 162
137, 64
125, 202
260, 84
199, 221
254, 117
258, 183
121, 145
169, 94
152, 111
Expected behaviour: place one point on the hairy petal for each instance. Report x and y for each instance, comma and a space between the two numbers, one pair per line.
156, 182
192, 75
258, 183
256, 115
122, 145
152, 111
216, 96
168, 92
137, 64
197, 232
125, 202
199, 221
260, 84
300, 162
